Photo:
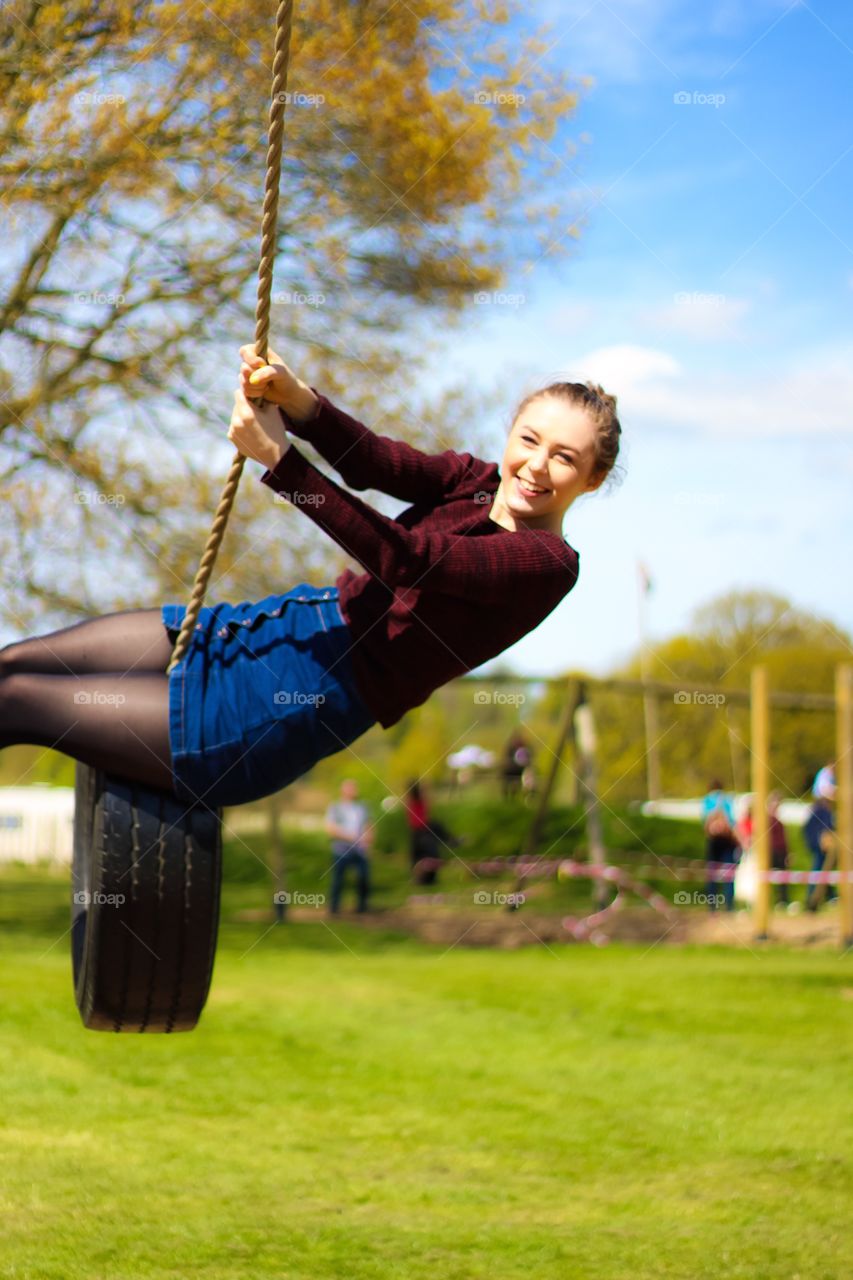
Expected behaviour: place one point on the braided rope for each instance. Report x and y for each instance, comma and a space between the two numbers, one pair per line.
283, 24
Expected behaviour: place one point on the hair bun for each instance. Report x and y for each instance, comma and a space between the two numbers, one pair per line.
599, 391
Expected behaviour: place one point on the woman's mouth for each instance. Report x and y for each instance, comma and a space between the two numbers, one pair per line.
529, 490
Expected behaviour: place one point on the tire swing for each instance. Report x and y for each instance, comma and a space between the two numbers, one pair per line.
146, 868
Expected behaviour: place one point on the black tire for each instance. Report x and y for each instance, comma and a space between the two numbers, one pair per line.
146, 876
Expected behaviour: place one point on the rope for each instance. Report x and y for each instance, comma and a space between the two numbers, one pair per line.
283, 25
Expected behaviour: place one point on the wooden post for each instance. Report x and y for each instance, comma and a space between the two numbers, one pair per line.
759, 750
844, 795
652, 724
585, 737
574, 693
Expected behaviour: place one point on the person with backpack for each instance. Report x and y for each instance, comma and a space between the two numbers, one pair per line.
721, 844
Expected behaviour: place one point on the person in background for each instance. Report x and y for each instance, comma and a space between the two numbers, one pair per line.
718, 818
421, 840
817, 830
779, 859
824, 785
428, 836
348, 823
743, 829
517, 758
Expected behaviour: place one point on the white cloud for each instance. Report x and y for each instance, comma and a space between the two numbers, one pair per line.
627, 369
813, 395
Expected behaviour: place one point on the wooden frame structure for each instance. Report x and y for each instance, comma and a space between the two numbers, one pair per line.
575, 727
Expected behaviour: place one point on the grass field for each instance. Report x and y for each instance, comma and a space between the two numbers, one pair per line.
357, 1105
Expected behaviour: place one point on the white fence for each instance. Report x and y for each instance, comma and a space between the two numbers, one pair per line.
793, 812
36, 824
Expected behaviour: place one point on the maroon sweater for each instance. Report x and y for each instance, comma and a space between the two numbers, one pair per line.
446, 588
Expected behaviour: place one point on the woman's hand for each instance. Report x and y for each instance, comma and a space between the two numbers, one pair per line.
257, 431
272, 380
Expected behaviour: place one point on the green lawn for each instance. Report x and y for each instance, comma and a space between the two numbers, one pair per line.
360, 1105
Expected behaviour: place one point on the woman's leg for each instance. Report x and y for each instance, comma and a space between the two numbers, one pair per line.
133, 640
96, 691
118, 723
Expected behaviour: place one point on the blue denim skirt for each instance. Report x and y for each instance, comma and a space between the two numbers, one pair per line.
265, 690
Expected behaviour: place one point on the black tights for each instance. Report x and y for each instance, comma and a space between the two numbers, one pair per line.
96, 691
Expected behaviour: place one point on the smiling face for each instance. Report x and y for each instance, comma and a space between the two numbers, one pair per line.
549, 460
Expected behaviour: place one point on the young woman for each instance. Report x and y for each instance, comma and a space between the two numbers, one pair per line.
269, 688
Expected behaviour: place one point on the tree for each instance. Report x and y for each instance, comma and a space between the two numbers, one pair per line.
739, 623
699, 738
133, 143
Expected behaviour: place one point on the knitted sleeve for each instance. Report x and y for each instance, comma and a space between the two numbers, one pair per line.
365, 460
478, 568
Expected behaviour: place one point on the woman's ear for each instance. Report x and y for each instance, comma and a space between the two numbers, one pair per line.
595, 482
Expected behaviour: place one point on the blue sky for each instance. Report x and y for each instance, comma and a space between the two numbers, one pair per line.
711, 290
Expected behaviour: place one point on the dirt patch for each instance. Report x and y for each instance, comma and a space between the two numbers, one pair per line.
737, 928
448, 926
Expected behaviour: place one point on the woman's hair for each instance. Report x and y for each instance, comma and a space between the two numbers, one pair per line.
602, 409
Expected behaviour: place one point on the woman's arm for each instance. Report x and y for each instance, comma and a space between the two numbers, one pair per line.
486, 569
363, 459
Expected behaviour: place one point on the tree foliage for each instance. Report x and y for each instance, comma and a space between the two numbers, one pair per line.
700, 739
420, 153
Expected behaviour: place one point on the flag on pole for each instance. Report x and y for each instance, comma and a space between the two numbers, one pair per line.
645, 578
